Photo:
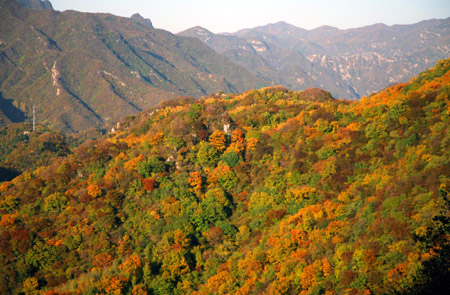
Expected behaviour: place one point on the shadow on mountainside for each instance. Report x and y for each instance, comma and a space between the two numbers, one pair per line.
11, 112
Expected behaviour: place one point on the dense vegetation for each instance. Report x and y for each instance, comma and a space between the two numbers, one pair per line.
269, 191
21, 149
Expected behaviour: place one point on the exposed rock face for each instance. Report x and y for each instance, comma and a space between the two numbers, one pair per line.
349, 63
86, 70
145, 21
36, 4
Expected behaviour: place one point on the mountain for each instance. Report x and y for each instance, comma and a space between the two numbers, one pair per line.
269, 191
86, 70
264, 59
349, 63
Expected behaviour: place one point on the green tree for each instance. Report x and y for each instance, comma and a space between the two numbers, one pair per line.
207, 155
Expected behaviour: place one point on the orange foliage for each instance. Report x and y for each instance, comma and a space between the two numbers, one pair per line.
179, 238
149, 184
326, 267
322, 206
217, 139
4, 186
154, 139
132, 140
102, 260
132, 164
139, 290
94, 191
195, 180
155, 214
238, 141
55, 292
217, 284
251, 144
307, 278
8, 220
131, 264
114, 284
53, 242
218, 172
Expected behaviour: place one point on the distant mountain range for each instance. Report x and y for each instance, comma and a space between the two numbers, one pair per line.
85, 70
350, 63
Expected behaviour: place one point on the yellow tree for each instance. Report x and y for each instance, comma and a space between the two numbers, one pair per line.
238, 140
30, 286
195, 180
217, 139
131, 264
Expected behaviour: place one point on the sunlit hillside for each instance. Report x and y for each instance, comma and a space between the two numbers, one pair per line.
264, 192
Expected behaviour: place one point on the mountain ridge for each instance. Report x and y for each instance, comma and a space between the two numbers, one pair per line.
84, 70
89, 73
350, 63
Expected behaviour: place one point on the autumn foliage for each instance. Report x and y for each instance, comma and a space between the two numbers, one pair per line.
265, 192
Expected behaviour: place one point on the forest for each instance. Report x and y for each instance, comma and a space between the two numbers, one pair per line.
269, 191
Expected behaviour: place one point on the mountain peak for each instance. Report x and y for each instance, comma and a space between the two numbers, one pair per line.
281, 29
281, 24
36, 4
140, 19
197, 31
316, 94
325, 28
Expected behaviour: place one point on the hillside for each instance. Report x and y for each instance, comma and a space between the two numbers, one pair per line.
263, 59
22, 150
265, 192
349, 63
85, 70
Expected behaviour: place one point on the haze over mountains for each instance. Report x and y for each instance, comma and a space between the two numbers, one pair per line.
267, 191
349, 63
85, 70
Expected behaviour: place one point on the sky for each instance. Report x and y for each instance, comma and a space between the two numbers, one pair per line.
220, 16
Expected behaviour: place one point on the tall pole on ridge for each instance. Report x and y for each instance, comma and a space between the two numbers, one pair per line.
34, 117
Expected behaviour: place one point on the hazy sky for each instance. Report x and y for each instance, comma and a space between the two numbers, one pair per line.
232, 15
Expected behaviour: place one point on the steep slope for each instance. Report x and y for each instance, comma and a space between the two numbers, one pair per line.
367, 59
21, 149
220, 43
240, 51
267, 60
265, 192
82, 70
9, 113
349, 63
145, 21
